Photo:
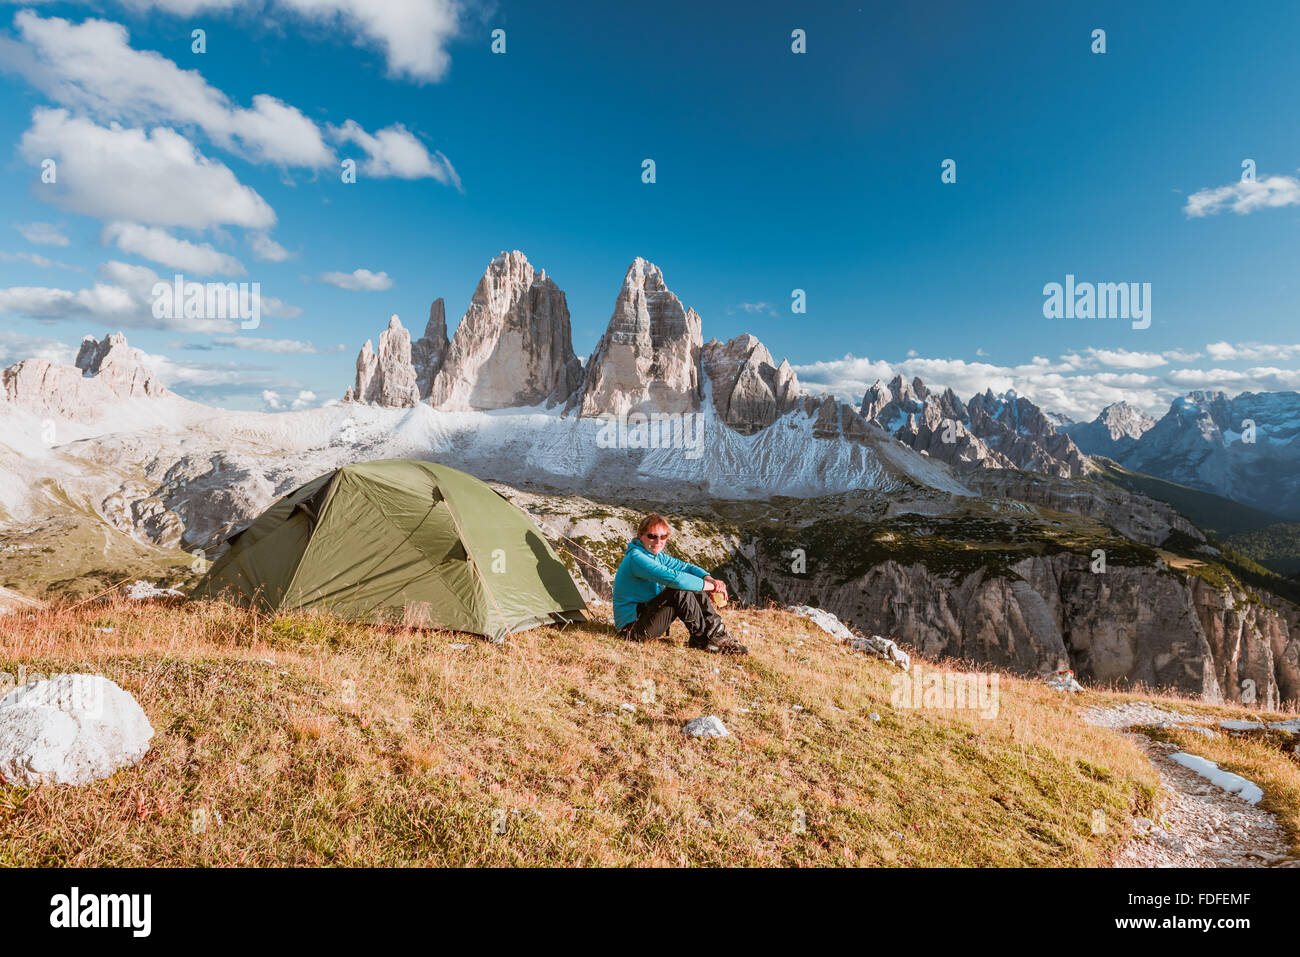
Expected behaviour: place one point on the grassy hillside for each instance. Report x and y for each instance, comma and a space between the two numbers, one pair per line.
322, 742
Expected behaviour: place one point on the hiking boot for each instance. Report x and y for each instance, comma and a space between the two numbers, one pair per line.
722, 644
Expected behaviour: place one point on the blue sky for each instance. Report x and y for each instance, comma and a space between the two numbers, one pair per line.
775, 171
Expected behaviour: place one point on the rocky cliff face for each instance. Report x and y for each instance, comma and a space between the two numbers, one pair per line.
429, 351
648, 360
513, 347
750, 391
1125, 626
990, 431
401, 374
106, 371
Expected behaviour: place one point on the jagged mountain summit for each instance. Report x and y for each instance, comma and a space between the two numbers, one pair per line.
1113, 433
648, 360
989, 431
750, 391
105, 371
513, 347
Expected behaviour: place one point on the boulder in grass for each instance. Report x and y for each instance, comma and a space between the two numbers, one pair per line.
73, 729
706, 727
147, 591
884, 648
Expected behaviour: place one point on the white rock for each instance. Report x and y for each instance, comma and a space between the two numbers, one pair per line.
628, 707
706, 727
884, 648
73, 729
1232, 783
1063, 681
142, 591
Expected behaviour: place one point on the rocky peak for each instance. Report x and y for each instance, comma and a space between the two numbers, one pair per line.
104, 372
749, 391
118, 366
1018, 429
649, 357
875, 399
1121, 420
429, 351
991, 431
513, 347
387, 377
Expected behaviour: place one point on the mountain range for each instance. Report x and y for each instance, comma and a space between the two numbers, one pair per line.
513, 349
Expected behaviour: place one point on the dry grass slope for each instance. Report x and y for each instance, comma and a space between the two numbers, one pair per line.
358, 745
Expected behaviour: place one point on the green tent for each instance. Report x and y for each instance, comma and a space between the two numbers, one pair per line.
399, 541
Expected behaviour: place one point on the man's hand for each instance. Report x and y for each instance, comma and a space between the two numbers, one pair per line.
715, 584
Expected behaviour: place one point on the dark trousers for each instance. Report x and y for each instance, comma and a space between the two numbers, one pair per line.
693, 608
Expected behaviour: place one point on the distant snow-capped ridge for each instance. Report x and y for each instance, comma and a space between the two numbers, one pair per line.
1244, 448
990, 431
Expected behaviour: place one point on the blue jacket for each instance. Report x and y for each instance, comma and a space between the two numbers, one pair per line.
641, 575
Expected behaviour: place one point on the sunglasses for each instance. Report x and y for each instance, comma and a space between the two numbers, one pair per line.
656, 538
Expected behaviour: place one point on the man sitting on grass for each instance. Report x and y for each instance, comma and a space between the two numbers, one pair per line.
651, 589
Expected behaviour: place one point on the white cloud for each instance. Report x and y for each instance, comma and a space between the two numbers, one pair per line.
279, 309
1124, 359
160, 246
101, 301
1224, 351
1178, 355
44, 234
394, 151
272, 401
157, 177
359, 280
267, 249
125, 298
276, 346
412, 34
16, 346
1076, 387
1269, 192
752, 307
92, 67
36, 259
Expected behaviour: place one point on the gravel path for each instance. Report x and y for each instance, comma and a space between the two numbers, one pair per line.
1200, 824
